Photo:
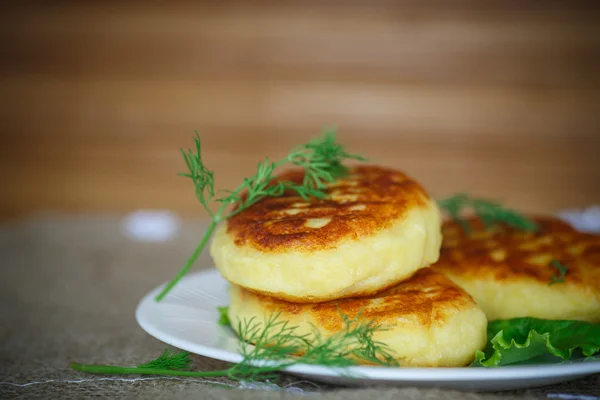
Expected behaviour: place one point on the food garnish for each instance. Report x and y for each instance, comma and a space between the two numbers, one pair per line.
490, 213
321, 159
223, 316
275, 346
532, 340
562, 269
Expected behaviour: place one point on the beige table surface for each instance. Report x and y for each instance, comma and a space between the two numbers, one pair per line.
68, 290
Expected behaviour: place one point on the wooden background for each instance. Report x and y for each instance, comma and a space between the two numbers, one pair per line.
497, 98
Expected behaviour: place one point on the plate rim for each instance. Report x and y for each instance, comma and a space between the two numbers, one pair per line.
421, 374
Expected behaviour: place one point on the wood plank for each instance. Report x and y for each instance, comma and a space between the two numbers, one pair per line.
93, 107
301, 43
99, 175
497, 98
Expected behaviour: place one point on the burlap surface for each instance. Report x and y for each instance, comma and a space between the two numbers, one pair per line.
69, 288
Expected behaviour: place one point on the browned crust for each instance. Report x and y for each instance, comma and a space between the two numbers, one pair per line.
428, 296
528, 255
366, 201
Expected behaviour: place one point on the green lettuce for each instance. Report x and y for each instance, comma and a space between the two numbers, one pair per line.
532, 340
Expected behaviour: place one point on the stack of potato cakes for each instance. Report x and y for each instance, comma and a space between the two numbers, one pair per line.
363, 249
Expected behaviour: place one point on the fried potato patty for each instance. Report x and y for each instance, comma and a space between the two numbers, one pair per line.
509, 272
430, 321
376, 228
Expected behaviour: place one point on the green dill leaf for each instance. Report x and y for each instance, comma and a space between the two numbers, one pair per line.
275, 344
454, 207
305, 192
493, 212
270, 346
321, 159
562, 269
224, 316
352, 345
489, 212
171, 360
202, 177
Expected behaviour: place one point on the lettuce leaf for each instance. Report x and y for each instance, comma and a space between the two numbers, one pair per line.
533, 340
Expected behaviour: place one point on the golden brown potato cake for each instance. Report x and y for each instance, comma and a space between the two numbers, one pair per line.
508, 272
431, 321
376, 228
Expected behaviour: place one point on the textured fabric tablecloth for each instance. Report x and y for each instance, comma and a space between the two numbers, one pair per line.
69, 288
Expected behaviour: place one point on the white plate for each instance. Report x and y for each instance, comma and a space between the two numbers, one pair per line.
187, 318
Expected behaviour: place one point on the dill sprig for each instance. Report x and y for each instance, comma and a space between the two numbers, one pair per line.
562, 270
169, 363
354, 342
490, 213
269, 347
223, 316
321, 159
275, 342
176, 361
454, 206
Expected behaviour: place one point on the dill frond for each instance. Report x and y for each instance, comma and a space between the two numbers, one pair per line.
321, 159
490, 213
272, 345
562, 270
223, 316
172, 360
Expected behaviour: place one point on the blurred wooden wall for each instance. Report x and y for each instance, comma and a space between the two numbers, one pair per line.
497, 98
